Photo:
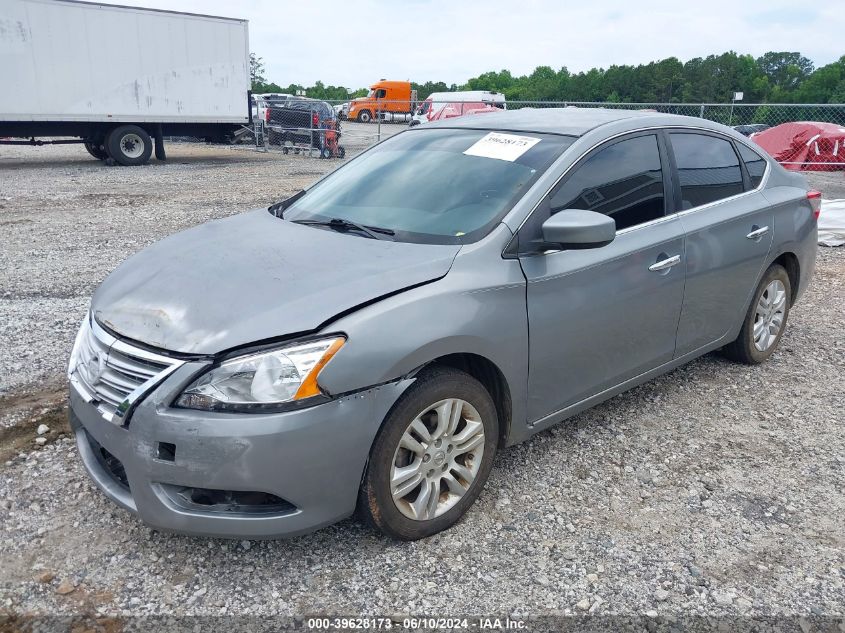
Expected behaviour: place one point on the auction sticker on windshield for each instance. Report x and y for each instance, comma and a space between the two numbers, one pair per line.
502, 146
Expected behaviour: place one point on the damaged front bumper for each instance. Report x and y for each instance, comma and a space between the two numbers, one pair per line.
232, 475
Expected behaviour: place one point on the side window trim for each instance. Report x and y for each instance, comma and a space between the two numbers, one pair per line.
677, 207
514, 248
671, 190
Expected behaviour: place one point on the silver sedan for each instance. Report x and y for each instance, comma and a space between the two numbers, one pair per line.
372, 342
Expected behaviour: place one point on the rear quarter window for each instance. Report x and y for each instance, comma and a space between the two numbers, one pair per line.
755, 165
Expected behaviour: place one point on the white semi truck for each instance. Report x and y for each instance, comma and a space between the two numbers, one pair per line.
119, 79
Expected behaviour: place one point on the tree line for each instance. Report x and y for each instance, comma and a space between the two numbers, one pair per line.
776, 77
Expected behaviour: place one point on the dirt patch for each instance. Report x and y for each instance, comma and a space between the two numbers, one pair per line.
47, 406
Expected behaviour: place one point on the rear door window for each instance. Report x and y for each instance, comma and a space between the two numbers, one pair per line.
708, 168
755, 165
623, 180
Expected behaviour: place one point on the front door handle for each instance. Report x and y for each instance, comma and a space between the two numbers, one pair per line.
758, 233
663, 264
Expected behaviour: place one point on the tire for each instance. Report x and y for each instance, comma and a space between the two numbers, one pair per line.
774, 286
341, 151
365, 116
129, 145
96, 149
326, 153
440, 465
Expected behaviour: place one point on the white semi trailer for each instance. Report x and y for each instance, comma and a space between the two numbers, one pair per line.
119, 79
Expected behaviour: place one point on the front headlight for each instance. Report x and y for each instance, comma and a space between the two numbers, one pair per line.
264, 381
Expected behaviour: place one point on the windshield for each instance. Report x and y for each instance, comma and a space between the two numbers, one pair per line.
433, 186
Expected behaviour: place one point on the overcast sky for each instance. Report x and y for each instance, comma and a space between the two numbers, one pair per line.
354, 43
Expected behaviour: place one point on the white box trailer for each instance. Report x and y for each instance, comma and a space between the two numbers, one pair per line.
120, 78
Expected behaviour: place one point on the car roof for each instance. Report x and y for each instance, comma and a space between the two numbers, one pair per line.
306, 103
570, 121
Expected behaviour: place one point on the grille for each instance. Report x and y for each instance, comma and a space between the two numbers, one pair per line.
107, 371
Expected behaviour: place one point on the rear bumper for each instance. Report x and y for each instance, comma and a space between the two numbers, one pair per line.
313, 459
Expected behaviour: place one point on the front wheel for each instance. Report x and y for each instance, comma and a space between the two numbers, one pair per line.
765, 321
431, 457
365, 116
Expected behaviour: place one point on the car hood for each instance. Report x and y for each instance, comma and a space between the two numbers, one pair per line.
253, 277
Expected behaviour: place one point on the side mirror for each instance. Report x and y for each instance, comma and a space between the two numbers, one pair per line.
576, 228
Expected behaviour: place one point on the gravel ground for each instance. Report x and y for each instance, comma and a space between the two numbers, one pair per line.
716, 489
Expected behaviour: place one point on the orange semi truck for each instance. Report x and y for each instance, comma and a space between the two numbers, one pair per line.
385, 97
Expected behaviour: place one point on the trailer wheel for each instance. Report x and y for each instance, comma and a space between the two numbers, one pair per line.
129, 145
95, 148
365, 116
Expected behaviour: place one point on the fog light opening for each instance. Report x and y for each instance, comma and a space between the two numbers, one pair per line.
212, 500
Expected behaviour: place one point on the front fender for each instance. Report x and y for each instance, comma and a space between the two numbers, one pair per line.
477, 308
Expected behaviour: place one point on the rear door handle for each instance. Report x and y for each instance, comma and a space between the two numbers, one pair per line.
757, 233
663, 264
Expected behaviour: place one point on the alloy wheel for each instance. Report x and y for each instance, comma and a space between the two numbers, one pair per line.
769, 315
437, 459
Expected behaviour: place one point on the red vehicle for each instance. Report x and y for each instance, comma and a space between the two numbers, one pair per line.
805, 145
447, 105
452, 110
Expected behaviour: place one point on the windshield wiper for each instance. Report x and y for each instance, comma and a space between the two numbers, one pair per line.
375, 232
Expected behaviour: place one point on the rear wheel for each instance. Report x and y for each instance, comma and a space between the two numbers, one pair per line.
96, 149
129, 145
431, 457
365, 116
765, 321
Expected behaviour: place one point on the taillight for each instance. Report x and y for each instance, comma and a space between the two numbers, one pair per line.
315, 120
815, 198
267, 115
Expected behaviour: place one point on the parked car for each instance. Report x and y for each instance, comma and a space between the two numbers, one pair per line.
442, 105
342, 110
751, 128
269, 99
373, 341
453, 110
301, 121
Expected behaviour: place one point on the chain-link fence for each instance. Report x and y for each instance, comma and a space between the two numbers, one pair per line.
312, 128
